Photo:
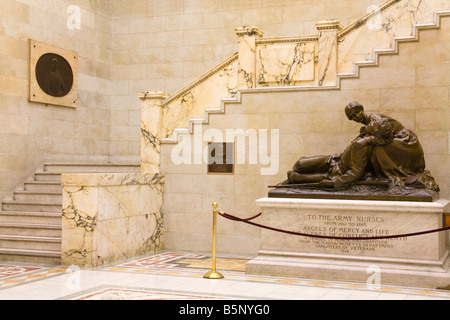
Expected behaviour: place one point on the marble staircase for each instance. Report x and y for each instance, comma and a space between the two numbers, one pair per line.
373, 61
393, 47
30, 223
354, 51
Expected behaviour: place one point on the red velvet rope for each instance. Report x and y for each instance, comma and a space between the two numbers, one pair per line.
249, 221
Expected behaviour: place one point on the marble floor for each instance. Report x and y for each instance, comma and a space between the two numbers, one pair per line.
179, 276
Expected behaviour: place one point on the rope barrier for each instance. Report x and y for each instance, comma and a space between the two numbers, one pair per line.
249, 221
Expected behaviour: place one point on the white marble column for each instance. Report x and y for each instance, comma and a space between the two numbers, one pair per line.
328, 52
151, 126
247, 56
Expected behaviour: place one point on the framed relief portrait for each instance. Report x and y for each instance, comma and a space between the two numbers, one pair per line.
53, 75
220, 158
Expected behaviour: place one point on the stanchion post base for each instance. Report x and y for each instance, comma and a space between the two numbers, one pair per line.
213, 275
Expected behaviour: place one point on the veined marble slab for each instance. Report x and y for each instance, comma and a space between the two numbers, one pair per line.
283, 64
108, 217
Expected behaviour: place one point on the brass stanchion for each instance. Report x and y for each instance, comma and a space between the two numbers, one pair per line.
213, 274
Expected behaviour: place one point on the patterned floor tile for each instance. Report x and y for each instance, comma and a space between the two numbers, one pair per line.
117, 293
22, 274
184, 271
184, 261
7, 271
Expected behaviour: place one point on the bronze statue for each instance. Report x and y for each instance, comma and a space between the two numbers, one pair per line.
383, 151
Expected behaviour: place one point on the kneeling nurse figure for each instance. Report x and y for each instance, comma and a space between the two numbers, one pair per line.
384, 149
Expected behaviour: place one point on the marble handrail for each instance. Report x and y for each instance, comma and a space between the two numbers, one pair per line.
363, 20
394, 48
201, 79
287, 39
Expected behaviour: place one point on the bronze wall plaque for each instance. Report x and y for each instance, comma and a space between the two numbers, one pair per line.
53, 75
221, 158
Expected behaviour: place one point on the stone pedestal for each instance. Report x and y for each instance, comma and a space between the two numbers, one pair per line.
421, 261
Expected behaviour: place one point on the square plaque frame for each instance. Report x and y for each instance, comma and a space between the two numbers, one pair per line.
227, 154
38, 88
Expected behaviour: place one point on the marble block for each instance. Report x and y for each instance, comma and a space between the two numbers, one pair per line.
109, 217
285, 63
412, 261
151, 127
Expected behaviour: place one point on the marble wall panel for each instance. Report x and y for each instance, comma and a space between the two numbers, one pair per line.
108, 217
285, 63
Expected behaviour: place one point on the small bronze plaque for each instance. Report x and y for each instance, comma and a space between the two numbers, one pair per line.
221, 157
53, 75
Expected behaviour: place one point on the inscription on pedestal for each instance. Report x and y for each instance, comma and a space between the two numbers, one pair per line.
352, 225
421, 259
348, 226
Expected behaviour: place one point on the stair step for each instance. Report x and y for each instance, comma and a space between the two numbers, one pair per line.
27, 255
30, 242
30, 229
31, 224
48, 176
41, 186
30, 238
29, 206
90, 168
41, 197
52, 218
